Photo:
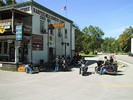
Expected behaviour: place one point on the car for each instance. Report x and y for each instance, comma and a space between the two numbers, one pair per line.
130, 54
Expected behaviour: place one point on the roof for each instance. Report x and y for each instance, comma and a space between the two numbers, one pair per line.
33, 3
17, 13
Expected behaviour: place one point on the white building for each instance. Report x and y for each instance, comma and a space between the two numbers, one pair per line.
132, 45
33, 32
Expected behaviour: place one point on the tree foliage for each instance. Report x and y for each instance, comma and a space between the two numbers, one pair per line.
125, 39
95, 37
110, 45
2, 3
7, 2
89, 39
10, 2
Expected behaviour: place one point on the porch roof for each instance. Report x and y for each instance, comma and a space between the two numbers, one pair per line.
7, 13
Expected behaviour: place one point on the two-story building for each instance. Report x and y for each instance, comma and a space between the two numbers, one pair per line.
30, 32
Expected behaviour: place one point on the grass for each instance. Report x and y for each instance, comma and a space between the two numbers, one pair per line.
119, 64
87, 55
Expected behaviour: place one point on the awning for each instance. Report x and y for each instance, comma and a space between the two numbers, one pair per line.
7, 13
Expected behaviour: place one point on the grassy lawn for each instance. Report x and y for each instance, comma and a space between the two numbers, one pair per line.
87, 55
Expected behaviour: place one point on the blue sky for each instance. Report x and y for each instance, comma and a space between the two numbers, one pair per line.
112, 16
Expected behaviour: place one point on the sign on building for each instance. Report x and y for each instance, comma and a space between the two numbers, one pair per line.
19, 32
37, 42
59, 25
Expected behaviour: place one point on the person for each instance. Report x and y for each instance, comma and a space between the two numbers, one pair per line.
83, 68
63, 63
112, 58
105, 63
28, 69
113, 61
57, 63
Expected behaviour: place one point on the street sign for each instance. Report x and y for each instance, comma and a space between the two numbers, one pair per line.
19, 32
2, 30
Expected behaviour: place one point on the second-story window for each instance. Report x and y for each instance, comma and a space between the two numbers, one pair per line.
65, 33
51, 31
59, 32
42, 27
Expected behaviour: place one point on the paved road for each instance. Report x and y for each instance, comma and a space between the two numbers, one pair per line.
125, 58
67, 85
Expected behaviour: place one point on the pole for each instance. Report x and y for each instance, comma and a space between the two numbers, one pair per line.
65, 49
16, 42
66, 8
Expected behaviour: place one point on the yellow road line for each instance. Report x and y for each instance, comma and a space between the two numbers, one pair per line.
118, 86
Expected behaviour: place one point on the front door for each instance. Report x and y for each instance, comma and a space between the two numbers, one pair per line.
50, 53
4, 51
12, 51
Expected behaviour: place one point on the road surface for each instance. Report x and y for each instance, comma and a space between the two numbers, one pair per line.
67, 85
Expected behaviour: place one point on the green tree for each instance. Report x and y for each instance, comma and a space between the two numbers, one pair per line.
78, 36
125, 39
10, 2
78, 43
110, 45
95, 37
2, 3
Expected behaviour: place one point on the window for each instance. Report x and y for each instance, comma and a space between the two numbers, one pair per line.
5, 47
42, 27
0, 47
59, 32
51, 31
65, 33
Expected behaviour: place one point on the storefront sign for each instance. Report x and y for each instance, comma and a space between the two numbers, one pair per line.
7, 26
2, 30
19, 32
5, 22
27, 28
44, 15
37, 43
59, 25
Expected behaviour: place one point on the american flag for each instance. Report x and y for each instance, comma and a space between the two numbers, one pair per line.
64, 8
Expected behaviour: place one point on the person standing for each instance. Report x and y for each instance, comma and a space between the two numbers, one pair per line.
105, 63
57, 63
28, 69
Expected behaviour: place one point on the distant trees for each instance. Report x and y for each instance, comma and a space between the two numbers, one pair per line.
125, 40
90, 39
7, 2
110, 45
10, 2
2, 3
78, 42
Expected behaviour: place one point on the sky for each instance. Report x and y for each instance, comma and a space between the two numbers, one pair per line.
112, 16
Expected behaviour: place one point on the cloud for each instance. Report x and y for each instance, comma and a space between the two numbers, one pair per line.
122, 9
116, 32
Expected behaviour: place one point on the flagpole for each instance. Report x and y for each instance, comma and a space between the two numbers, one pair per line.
66, 8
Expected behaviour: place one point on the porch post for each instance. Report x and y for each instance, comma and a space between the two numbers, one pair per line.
16, 42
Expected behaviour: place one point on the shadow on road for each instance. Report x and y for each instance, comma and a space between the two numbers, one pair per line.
117, 74
88, 73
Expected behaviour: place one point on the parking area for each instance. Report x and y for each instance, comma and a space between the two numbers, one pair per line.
66, 85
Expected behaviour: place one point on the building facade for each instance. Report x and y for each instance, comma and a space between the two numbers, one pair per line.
132, 45
30, 32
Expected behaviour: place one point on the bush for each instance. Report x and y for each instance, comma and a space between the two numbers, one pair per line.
86, 52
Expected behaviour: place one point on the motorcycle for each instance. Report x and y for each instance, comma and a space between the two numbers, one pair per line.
83, 68
31, 69
110, 68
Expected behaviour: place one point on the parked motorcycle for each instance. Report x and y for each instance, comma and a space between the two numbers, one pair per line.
111, 68
83, 68
31, 69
